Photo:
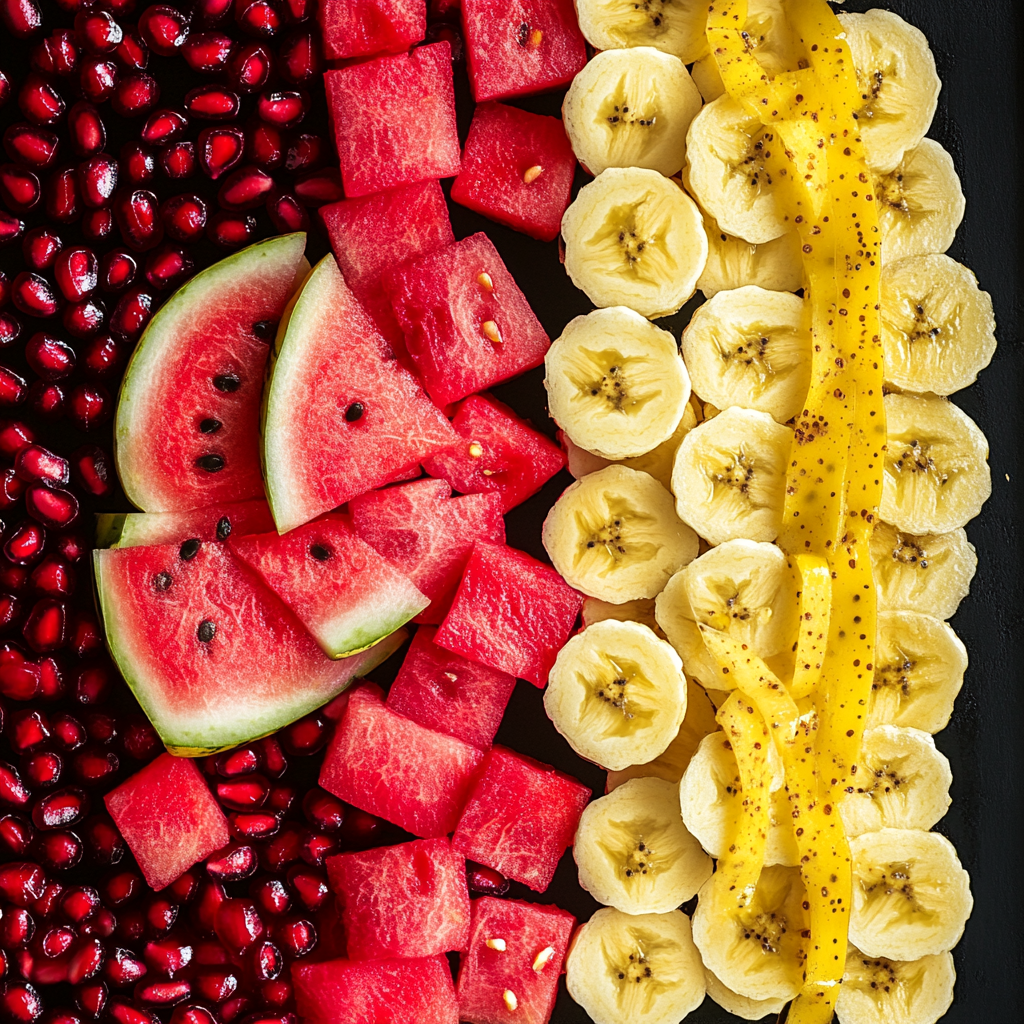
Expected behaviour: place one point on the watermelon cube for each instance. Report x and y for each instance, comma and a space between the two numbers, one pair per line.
394, 119
467, 325
516, 47
517, 169
428, 534
345, 593
359, 28
448, 693
416, 991
528, 964
409, 900
388, 765
498, 452
510, 612
520, 817
168, 817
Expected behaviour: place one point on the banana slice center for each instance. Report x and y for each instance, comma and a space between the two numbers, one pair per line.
915, 458
635, 966
885, 780
888, 884
625, 383
624, 114
611, 539
615, 704
907, 552
874, 92
895, 674
765, 928
633, 243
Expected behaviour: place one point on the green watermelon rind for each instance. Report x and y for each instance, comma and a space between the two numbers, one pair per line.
110, 527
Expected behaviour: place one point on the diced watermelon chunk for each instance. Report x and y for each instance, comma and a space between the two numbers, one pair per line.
394, 119
510, 612
215, 522
517, 169
448, 693
467, 325
516, 47
409, 900
417, 991
168, 817
520, 817
359, 28
388, 765
499, 452
536, 939
428, 534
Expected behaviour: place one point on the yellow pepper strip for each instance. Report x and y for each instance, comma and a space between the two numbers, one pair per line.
813, 630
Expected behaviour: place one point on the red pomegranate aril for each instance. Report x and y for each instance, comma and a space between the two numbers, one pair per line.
23, 18
250, 67
317, 847
97, 32
178, 160
254, 825
51, 679
94, 766
61, 809
22, 883
103, 925
20, 188
13, 791
282, 108
319, 187
45, 628
101, 728
306, 736
245, 189
168, 956
164, 29
17, 927
216, 985
243, 794
117, 271
219, 149
203, 912
122, 887
27, 730
97, 79
238, 925
132, 53
92, 685
97, 180
13, 389
241, 761
56, 507
33, 295
39, 100
86, 962
138, 163
84, 319
11, 228
235, 1009
193, 1015
5, 88
69, 732
232, 863
260, 18
264, 146
295, 936
58, 52
47, 400
300, 59
18, 681
163, 127
168, 266
21, 1002
310, 885
162, 993
298, 10
11, 490
102, 357
207, 51
44, 769
36, 464
322, 810
84, 637
304, 153
77, 273
123, 1012
361, 830
212, 103
72, 546
53, 577
136, 93
106, 846
280, 799
132, 313
275, 764
10, 329
266, 961
138, 218
41, 247
31, 145
79, 903
16, 833
92, 999
277, 994
271, 896
61, 196
122, 968
97, 224
160, 915
210, 953
46, 906
184, 217
59, 851
287, 213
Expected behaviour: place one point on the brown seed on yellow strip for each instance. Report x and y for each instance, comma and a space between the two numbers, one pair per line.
531, 174
484, 280
475, 449
491, 332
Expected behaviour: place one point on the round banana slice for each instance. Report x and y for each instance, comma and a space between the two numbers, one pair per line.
898, 82
617, 694
734, 262
751, 348
634, 852
708, 792
634, 238
729, 477
726, 171
919, 670
614, 535
930, 573
674, 26
911, 897
920, 203
936, 465
880, 991
617, 385
902, 782
631, 108
740, 1006
758, 951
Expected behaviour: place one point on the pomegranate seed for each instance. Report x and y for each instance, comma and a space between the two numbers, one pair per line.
47, 904
184, 217
193, 1015
103, 924
285, 848
85, 638
97, 79
216, 985
204, 911
10, 329
19, 187
274, 762
304, 153
306, 736
277, 994
298, 10
10, 611
102, 357
271, 896
53, 577
101, 728
16, 833
41, 247
69, 732
164, 29
163, 993
122, 887
281, 799
94, 766
360, 830
12, 790
219, 149
161, 914
207, 51
132, 313
319, 187
117, 271
242, 761
132, 53
232, 863
309, 885
210, 953
31, 145
97, 224
250, 67
86, 962
260, 18
62, 809
163, 127
300, 58
5, 88
317, 847
137, 214
105, 843
243, 794
11, 490
44, 769
323, 811
212, 103
77, 273
12, 387
59, 851
92, 685
23, 18
135, 94
92, 999
22, 883
45, 628
238, 925
168, 266
47, 400
264, 146
36, 464
72, 546
124, 1013
266, 961
17, 927
253, 825
56, 508
80, 903
138, 162
61, 196
167, 956
287, 213
245, 189
295, 936
179, 160
84, 319
10, 228
20, 1001
33, 295
18, 681
28, 730
51, 679
97, 32
284, 109
97, 180
123, 969
39, 100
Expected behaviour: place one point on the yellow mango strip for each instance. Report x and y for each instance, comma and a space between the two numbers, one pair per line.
813, 630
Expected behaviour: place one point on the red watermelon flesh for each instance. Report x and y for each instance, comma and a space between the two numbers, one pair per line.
449, 693
215, 522
498, 452
409, 900
467, 325
168, 818
428, 534
345, 593
388, 765
416, 991
187, 429
341, 415
520, 818
394, 119
536, 939
358, 28
214, 658
510, 612
516, 47
517, 169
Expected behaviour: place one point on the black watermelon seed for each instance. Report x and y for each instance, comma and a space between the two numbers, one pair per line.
523, 34
189, 549
227, 382
265, 329
354, 412
209, 426
211, 463
206, 631
162, 581
223, 528
320, 552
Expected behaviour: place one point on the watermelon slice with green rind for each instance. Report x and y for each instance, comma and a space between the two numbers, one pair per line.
215, 522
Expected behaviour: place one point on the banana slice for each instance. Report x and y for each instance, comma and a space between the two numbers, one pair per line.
708, 791
919, 670
634, 852
880, 991
911, 897
936, 465
634, 238
898, 82
617, 694
729, 477
930, 573
631, 108
902, 782
635, 969
920, 203
673, 26
751, 348
616, 384
734, 262
740, 1006
726, 172
758, 951
614, 535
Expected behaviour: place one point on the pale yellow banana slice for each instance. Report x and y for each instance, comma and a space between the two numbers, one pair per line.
614, 535
740, 1006
911, 897
936, 465
634, 238
674, 26
734, 262
635, 969
617, 385
880, 991
631, 108
729, 477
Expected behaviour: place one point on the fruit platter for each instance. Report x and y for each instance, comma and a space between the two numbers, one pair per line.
507, 512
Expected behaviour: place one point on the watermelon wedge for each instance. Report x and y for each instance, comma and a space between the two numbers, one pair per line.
186, 433
214, 658
215, 522
341, 416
